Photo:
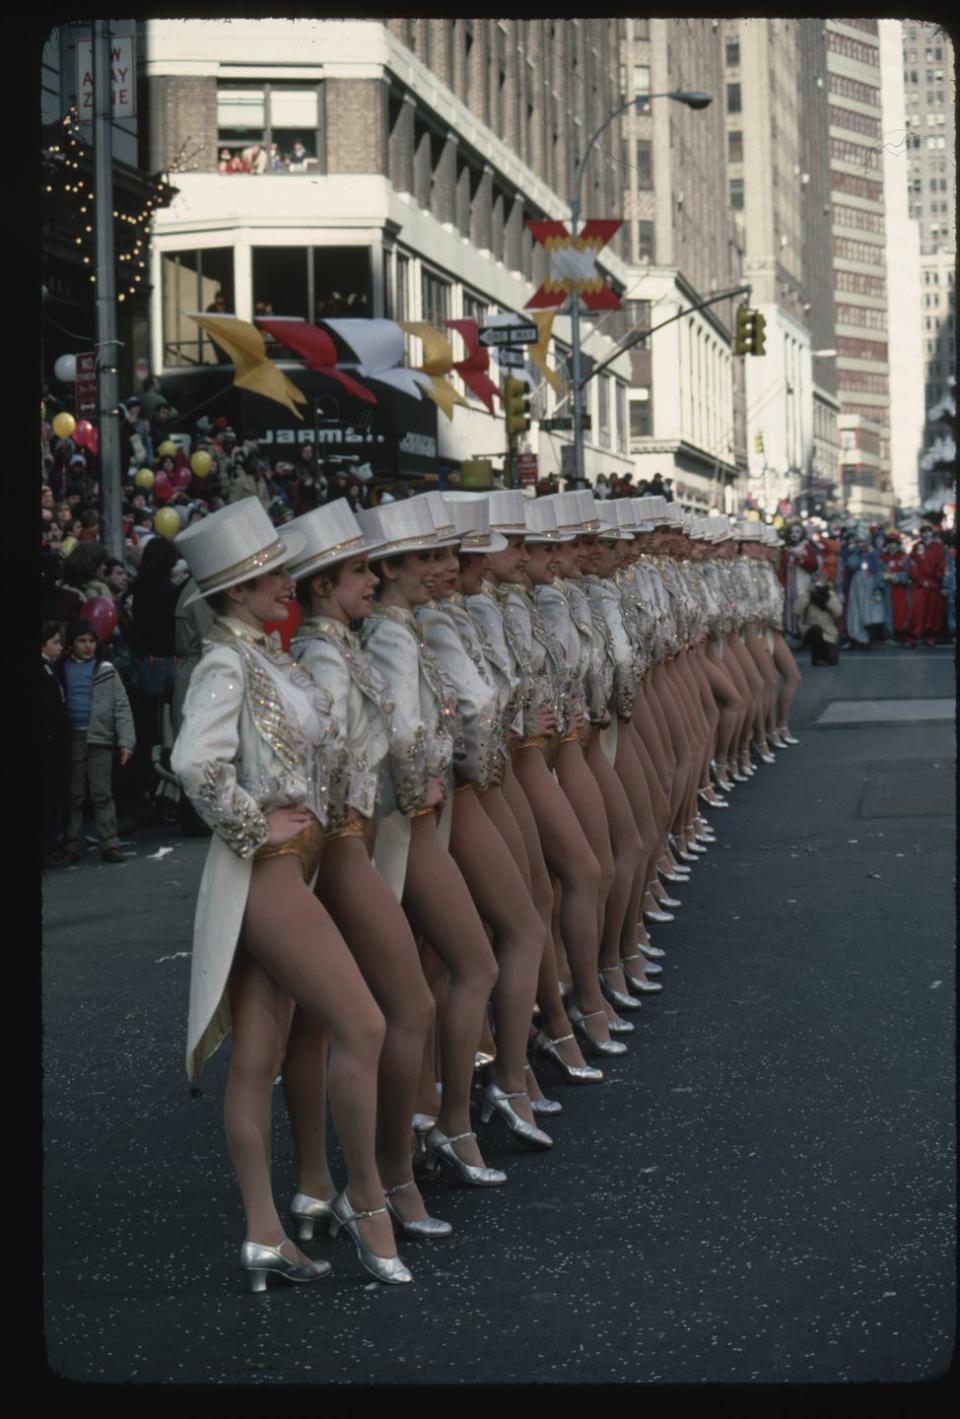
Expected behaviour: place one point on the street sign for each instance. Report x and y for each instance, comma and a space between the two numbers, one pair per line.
517, 334
526, 469
563, 423
122, 78
510, 358
86, 395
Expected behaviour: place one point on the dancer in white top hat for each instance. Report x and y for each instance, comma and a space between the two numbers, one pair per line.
335, 586
255, 753
410, 843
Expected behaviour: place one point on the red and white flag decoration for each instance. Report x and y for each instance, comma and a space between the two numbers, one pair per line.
315, 348
573, 264
473, 370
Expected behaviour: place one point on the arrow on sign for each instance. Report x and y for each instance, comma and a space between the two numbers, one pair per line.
509, 335
511, 359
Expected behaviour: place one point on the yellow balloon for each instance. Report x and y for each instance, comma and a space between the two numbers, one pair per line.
167, 449
201, 463
778, 520
64, 425
67, 546
143, 478
166, 522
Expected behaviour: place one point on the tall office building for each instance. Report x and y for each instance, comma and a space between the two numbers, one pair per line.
860, 277
395, 167
930, 85
777, 175
681, 245
903, 278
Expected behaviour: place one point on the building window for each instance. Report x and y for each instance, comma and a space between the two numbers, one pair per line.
736, 193
192, 280
401, 288
268, 128
641, 78
603, 411
641, 421
644, 164
620, 396
645, 239
733, 53
733, 98
435, 292
474, 307
735, 146
641, 29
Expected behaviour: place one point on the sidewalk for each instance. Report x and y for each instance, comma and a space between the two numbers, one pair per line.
762, 1190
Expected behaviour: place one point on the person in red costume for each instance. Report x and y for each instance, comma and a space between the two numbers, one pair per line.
926, 567
894, 561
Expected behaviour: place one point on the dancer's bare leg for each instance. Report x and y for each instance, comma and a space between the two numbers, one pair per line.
291, 952
440, 908
786, 664
584, 796
631, 855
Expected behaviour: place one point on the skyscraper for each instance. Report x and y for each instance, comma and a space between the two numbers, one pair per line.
859, 260
930, 93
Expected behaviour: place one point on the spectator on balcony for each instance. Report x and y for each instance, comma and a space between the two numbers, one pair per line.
300, 159
277, 161
255, 158
232, 162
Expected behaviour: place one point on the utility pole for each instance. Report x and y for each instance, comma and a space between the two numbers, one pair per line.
107, 343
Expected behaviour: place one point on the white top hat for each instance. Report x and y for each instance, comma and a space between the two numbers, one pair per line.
652, 509
720, 528
566, 508
443, 523
471, 516
234, 545
402, 526
589, 512
673, 515
332, 533
542, 526
506, 512
748, 530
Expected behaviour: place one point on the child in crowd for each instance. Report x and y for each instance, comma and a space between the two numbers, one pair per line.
100, 720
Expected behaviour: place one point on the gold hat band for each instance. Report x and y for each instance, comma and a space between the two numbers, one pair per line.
405, 544
231, 575
475, 539
357, 542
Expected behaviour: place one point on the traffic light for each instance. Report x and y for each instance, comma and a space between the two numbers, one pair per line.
758, 442
516, 404
751, 332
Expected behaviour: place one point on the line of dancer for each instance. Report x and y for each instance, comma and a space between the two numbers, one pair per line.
445, 822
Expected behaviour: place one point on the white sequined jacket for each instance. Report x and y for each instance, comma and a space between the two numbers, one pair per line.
361, 705
477, 730
242, 751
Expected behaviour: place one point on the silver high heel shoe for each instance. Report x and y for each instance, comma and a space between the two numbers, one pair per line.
389, 1269
652, 953
652, 969
307, 1212
429, 1227
542, 1105
765, 755
440, 1147
786, 736
670, 903
578, 1021
616, 1026
260, 1262
496, 1101
635, 982
616, 997
575, 1073
657, 916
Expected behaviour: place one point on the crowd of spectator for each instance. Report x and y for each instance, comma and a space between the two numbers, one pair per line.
845, 586
258, 159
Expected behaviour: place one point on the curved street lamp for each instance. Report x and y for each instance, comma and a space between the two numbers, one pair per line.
691, 98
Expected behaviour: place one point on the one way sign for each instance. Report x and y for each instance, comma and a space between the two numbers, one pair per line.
509, 335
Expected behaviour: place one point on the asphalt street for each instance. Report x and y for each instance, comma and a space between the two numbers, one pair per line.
761, 1191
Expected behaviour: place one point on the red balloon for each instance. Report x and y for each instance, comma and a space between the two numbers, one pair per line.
82, 432
101, 612
183, 477
162, 487
93, 442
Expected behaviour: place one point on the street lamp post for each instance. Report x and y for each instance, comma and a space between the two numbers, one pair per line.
692, 99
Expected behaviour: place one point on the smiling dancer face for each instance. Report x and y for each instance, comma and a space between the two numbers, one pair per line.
508, 565
541, 564
408, 579
345, 592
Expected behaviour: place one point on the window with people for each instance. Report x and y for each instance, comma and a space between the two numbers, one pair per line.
268, 128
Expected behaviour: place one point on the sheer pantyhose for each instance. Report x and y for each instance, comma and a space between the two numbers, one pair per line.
500, 896
572, 861
439, 906
631, 857
783, 658
372, 923
730, 702
291, 953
